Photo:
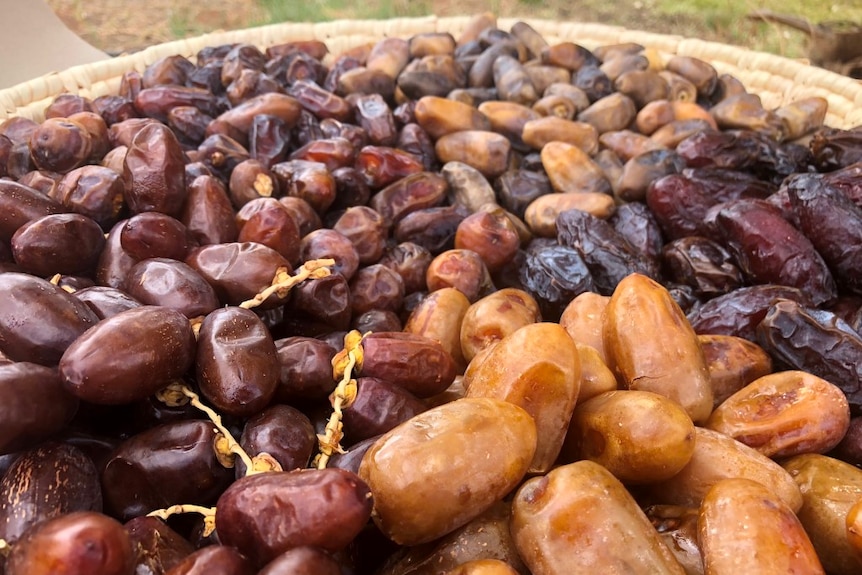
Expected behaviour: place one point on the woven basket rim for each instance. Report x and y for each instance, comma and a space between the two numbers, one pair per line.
776, 79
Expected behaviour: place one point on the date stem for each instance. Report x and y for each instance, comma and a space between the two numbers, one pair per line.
226, 446
283, 282
55, 280
343, 364
207, 512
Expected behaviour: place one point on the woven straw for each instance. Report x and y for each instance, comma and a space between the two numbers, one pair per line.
775, 79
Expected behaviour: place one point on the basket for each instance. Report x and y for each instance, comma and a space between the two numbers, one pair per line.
775, 79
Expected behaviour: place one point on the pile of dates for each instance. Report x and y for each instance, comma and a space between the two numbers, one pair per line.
436, 305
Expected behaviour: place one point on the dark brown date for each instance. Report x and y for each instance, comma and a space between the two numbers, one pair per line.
411, 261
171, 70
310, 181
47, 482
60, 145
157, 547
238, 271
19, 204
154, 173
250, 180
271, 225
303, 561
835, 148
39, 320
189, 124
833, 223
237, 365
82, 542
114, 263
155, 235
320, 102
321, 305
378, 407
241, 117
336, 152
816, 341
702, 264
93, 191
157, 101
376, 287
160, 466
128, 356
266, 514
268, 139
409, 194
281, 431
738, 312
214, 560
60, 243
432, 229
636, 223
208, 215
305, 369
554, 275
608, 255
329, 243
374, 116
171, 284
35, 406
679, 205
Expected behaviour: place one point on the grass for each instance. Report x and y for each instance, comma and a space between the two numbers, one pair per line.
320, 10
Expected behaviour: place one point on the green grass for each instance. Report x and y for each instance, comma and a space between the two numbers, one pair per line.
727, 19
320, 10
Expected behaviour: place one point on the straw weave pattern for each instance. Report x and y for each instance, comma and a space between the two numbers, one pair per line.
775, 79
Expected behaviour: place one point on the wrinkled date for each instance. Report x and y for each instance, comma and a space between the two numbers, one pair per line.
567, 272
815, 341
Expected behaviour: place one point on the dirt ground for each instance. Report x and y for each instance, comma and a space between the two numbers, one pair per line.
118, 26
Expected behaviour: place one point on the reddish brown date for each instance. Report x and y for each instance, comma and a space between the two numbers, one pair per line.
82, 542
60, 243
416, 363
214, 560
155, 235
158, 467
770, 250
39, 320
267, 514
128, 356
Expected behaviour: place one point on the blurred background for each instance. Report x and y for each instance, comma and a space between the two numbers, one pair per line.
118, 26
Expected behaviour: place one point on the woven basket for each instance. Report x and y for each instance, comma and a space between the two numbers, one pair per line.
777, 80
